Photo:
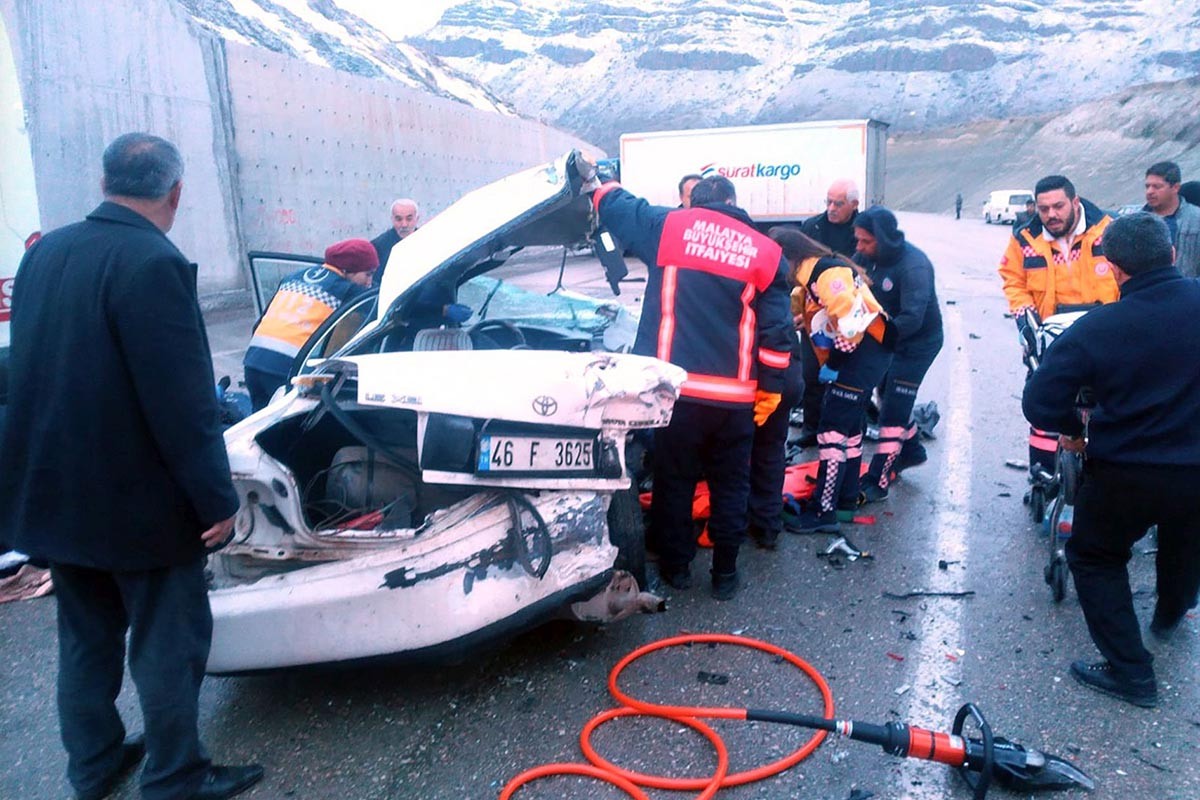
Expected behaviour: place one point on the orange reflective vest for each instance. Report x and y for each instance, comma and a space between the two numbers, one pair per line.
1038, 274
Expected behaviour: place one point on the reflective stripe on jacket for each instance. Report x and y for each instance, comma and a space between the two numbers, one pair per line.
716, 299
1037, 274
303, 301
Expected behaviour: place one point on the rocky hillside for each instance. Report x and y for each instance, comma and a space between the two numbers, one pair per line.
1103, 146
321, 32
601, 68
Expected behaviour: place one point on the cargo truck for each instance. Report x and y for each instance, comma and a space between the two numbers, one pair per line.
18, 196
781, 172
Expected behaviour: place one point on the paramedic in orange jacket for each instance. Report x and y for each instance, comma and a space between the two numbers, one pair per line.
1057, 258
302, 302
1055, 263
852, 340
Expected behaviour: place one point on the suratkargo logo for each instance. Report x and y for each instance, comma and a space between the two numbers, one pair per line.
780, 171
545, 405
6, 293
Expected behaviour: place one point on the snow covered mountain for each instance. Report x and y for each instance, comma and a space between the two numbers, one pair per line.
600, 68
321, 32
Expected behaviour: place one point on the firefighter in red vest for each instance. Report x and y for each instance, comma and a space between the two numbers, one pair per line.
717, 305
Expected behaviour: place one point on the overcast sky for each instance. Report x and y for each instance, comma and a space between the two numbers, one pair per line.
398, 18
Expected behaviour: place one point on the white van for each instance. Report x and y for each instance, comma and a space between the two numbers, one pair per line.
1003, 205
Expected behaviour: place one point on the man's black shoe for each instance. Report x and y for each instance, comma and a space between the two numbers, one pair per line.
222, 782
133, 749
912, 454
812, 521
1099, 676
763, 538
676, 577
725, 585
1164, 630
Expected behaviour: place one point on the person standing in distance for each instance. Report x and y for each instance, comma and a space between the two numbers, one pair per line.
113, 469
405, 217
717, 305
1142, 455
958, 206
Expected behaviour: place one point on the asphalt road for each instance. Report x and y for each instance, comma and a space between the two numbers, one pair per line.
464, 731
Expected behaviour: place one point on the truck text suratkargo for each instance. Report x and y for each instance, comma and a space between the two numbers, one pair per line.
781, 171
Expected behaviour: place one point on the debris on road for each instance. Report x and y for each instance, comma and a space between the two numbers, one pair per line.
712, 678
1016, 463
923, 593
903, 689
843, 546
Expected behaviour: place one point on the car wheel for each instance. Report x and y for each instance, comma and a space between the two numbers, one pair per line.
627, 531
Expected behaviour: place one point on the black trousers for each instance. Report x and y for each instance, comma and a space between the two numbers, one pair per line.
261, 385
814, 391
768, 458
896, 402
709, 441
843, 416
1115, 505
169, 622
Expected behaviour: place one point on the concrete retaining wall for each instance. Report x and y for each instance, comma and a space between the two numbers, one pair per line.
279, 154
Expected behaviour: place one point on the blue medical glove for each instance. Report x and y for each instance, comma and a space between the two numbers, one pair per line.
827, 374
457, 313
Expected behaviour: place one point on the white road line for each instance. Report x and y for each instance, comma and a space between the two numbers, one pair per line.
933, 700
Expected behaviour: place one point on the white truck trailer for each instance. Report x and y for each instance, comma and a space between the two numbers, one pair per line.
781, 172
18, 195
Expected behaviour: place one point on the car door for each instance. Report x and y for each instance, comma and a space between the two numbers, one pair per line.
268, 269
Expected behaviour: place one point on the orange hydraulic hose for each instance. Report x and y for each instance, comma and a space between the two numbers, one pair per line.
587, 770
683, 712
709, 785
629, 781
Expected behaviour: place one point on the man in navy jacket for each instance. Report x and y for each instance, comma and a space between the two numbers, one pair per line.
1138, 356
113, 469
716, 304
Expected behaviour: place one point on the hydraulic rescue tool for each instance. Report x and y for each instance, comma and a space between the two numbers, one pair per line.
979, 761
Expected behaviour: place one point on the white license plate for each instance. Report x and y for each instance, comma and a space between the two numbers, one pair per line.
534, 454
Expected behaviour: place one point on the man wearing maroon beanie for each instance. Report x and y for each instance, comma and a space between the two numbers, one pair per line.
303, 301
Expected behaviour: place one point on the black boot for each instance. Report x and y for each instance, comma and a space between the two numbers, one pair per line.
820, 514
849, 493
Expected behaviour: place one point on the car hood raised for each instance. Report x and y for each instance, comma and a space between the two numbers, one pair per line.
539, 206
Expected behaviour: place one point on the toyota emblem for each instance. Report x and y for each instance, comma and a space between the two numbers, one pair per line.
545, 405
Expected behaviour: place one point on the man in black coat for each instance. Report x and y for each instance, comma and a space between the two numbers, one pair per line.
405, 216
113, 469
901, 278
1138, 357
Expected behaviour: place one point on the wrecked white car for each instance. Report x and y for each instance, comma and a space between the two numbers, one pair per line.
421, 490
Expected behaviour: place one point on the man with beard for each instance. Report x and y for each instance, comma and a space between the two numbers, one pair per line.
1056, 263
